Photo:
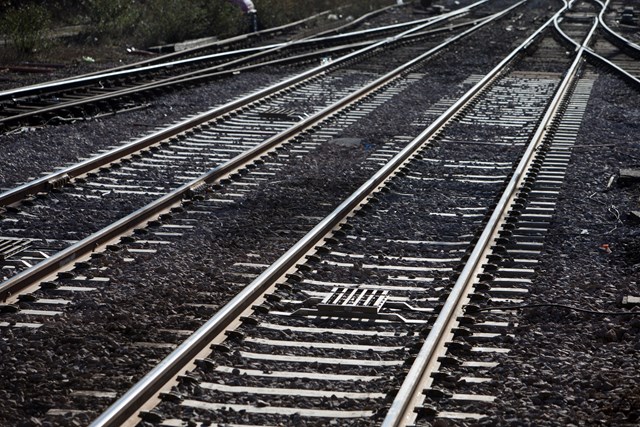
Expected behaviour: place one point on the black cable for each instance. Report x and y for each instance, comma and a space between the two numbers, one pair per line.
569, 307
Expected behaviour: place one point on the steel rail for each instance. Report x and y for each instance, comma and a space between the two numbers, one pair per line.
77, 82
148, 386
626, 43
306, 56
602, 60
200, 75
44, 183
74, 82
141, 216
592, 55
220, 43
154, 64
570, 40
181, 79
401, 409
244, 37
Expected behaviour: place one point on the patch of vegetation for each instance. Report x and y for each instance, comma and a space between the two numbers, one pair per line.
25, 27
170, 21
111, 19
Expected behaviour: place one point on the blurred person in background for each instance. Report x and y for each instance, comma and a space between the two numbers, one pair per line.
250, 12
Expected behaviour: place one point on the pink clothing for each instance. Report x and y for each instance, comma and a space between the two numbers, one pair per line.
246, 5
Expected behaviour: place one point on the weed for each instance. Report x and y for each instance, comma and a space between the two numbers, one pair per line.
112, 19
26, 27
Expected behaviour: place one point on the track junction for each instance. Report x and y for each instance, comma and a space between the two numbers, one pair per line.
386, 238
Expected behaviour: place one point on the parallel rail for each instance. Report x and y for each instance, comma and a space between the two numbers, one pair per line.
148, 386
89, 244
44, 183
228, 63
419, 375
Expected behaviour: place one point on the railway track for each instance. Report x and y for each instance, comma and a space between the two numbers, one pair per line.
182, 158
614, 19
415, 277
608, 46
132, 87
312, 317
615, 48
111, 90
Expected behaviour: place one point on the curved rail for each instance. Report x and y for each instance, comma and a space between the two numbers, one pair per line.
63, 175
142, 67
593, 55
626, 43
602, 60
224, 44
578, 46
220, 44
213, 72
